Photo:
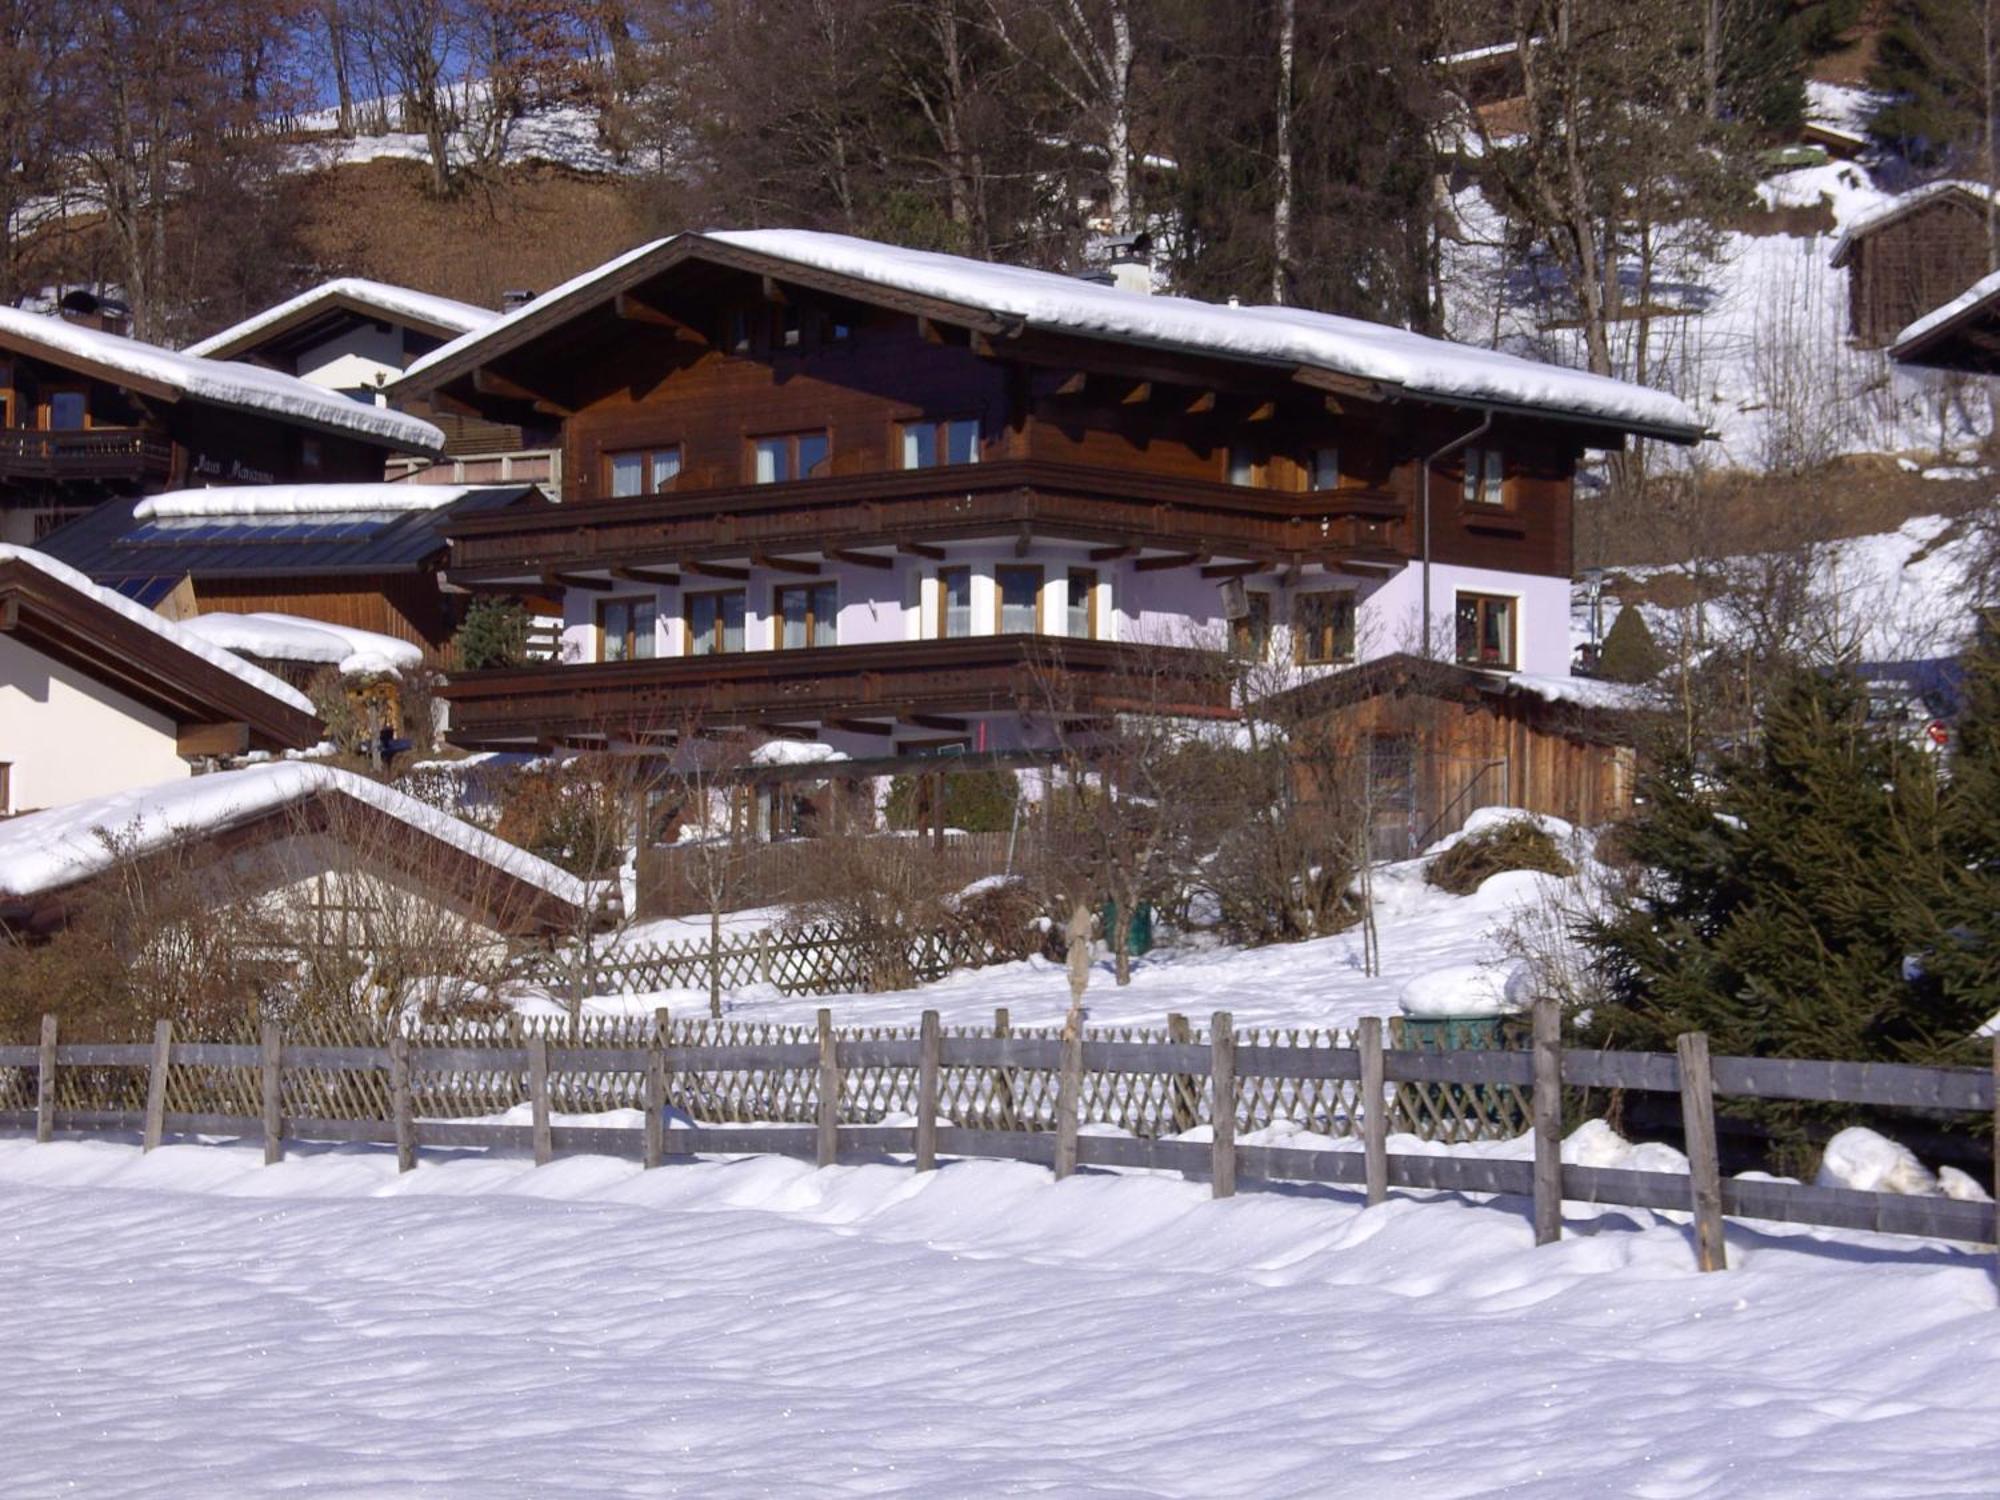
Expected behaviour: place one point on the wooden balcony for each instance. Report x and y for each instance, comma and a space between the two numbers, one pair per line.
98, 453
1018, 498
878, 685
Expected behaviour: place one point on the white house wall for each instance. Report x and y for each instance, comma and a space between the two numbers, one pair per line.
368, 356
68, 737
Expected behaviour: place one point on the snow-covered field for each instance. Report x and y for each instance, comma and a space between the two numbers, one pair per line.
193, 1323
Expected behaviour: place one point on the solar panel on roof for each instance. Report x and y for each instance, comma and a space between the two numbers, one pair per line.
145, 592
260, 529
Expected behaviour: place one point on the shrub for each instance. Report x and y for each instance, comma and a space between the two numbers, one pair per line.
976, 801
1517, 844
1630, 654
494, 633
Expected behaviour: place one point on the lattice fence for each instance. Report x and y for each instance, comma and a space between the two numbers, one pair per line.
1149, 1105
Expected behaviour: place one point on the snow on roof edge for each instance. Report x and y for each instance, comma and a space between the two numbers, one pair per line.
1901, 204
303, 499
1978, 292
397, 301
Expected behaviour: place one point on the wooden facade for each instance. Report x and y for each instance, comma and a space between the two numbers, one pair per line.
1912, 258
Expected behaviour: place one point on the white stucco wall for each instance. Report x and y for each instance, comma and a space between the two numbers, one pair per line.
368, 356
68, 737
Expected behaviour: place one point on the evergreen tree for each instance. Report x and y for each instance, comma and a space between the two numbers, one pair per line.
1630, 654
1965, 951
1934, 67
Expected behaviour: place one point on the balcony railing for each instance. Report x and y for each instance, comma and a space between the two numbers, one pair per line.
93, 453
887, 682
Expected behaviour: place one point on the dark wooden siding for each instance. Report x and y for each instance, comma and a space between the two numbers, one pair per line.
407, 606
1911, 265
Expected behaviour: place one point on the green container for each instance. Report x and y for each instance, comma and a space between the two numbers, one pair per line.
1138, 932
1453, 1033
1473, 1034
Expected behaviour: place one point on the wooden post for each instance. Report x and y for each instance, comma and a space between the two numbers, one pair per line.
1548, 1122
1069, 1100
929, 1050
399, 1095
1374, 1110
1184, 1089
1004, 1117
829, 1091
45, 1083
1704, 1172
273, 1080
656, 1093
1996, 1156
1222, 1102
156, 1085
538, 1096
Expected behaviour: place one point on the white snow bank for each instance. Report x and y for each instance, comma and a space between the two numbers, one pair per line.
279, 637
263, 501
222, 382
214, 655
1280, 336
794, 753
1595, 1144
47, 850
398, 302
1486, 819
1464, 990
1870, 1162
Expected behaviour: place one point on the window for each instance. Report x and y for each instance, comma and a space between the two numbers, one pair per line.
928, 444
795, 455
1485, 470
6, 787
1250, 633
647, 471
1243, 466
309, 454
807, 613
954, 602
1083, 604
715, 622
739, 332
1018, 598
68, 411
1325, 468
1323, 626
625, 629
1486, 630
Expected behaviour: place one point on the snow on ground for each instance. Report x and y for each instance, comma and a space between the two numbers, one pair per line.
191, 1322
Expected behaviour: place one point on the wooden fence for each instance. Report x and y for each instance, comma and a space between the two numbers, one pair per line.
671, 879
1223, 1066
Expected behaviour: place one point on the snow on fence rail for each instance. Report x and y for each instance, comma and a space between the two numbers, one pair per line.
1222, 1066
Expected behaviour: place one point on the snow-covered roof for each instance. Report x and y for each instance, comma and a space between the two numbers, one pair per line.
1586, 692
1284, 337
794, 753
1867, 223
45, 851
268, 501
280, 637
1937, 317
439, 315
214, 655
219, 382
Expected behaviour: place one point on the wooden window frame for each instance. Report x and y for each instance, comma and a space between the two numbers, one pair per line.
648, 457
1000, 595
1512, 661
804, 586
1310, 468
9, 397
1244, 640
1334, 600
752, 441
1260, 467
688, 598
944, 601
1092, 624
940, 428
626, 601
1473, 490
6, 787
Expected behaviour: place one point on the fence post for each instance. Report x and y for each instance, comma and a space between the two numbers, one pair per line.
1004, 1116
1184, 1091
156, 1085
538, 1095
45, 1083
1548, 1122
1069, 1099
829, 1091
1996, 1156
929, 1050
399, 1095
656, 1092
1222, 1094
274, 1094
1374, 1110
1704, 1172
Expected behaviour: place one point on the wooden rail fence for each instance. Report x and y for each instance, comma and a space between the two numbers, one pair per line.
1224, 1062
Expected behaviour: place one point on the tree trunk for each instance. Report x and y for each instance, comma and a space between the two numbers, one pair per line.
1281, 209
1118, 101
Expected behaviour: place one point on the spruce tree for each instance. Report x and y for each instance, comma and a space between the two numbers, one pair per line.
1964, 953
1629, 654
1929, 68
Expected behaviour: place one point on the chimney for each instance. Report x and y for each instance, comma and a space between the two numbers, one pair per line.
517, 298
1131, 262
89, 310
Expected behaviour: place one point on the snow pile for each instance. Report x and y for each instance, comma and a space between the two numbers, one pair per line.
1465, 990
222, 382
44, 851
1279, 336
794, 753
1869, 1162
281, 501
397, 302
277, 637
215, 656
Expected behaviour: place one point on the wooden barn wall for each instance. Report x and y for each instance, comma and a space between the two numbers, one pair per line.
1920, 262
407, 606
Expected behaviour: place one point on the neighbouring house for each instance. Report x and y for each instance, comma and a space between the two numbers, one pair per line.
98, 694
335, 845
356, 336
88, 416
1962, 335
1913, 255
1438, 741
903, 502
360, 556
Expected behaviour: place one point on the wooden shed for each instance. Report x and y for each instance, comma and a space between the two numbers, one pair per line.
1440, 741
1913, 255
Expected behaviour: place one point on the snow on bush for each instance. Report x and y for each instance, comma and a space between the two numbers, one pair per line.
1870, 1162
1464, 990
